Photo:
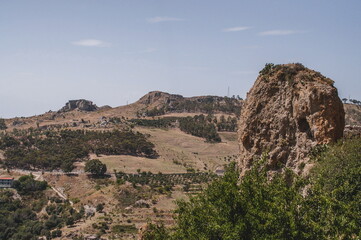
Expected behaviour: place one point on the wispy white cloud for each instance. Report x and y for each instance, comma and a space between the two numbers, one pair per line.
278, 32
91, 43
236, 29
164, 19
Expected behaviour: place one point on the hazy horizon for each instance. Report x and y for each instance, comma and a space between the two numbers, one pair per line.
113, 52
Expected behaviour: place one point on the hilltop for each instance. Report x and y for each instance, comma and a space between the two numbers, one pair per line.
85, 113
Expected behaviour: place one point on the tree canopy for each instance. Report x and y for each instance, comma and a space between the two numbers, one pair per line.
2, 124
95, 167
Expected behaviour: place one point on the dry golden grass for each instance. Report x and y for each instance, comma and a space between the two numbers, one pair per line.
178, 147
130, 164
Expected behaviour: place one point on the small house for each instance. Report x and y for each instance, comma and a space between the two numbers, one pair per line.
6, 182
219, 171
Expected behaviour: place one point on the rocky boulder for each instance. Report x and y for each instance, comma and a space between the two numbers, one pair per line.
289, 110
81, 104
159, 99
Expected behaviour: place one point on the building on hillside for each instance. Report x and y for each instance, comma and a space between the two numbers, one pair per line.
219, 171
6, 182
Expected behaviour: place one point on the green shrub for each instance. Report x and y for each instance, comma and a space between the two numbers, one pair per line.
124, 229
267, 69
95, 167
2, 124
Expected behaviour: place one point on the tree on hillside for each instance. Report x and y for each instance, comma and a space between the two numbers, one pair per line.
2, 124
95, 167
344, 100
354, 101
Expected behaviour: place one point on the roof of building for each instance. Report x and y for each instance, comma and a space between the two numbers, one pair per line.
6, 178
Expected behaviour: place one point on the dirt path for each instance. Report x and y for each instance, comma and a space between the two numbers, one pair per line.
38, 175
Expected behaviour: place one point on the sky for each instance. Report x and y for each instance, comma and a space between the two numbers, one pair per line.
115, 51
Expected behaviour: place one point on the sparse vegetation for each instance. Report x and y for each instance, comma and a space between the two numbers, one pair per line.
208, 105
165, 180
119, 229
267, 69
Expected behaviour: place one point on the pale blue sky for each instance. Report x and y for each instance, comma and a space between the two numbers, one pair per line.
114, 51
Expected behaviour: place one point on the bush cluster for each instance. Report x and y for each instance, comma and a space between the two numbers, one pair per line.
200, 127
157, 123
19, 219
2, 124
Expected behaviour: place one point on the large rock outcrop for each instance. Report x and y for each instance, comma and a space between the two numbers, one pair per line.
289, 110
160, 99
81, 104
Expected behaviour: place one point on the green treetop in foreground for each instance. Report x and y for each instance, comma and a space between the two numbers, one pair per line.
281, 208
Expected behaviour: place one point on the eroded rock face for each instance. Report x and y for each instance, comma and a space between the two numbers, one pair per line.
81, 104
289, 110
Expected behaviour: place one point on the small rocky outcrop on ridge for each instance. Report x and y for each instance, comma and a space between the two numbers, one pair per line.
81, 104
289, 110
160, 99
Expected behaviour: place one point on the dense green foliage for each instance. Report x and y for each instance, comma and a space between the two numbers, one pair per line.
200, 127
2, 124
325, 206
60, 149
337, 190
228, 125
28, 185
254, 209
95, 167
19, 220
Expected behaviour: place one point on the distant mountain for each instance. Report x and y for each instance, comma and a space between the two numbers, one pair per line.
159, 103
